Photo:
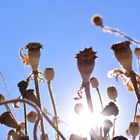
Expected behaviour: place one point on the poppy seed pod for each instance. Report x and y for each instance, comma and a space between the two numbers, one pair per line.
32, 116
22, 85
134, 129
107, 125
45, 137
112, 92
78, 108
7, 119
97, 20
2, 99
34, 54
110, 109
75, 137
94, 82
123, 54
137, 52
49, 74
86, 62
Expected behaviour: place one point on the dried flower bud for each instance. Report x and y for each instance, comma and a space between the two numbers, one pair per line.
32, 116
112, 92
45, 137
134, 129
34, 54
49, 74
2, 99
137, 52
86, 62
22, 85
123, 54
94, 82
78, 108
29, 94
97, 20
110, 109
7, 119
75, 137
107, 125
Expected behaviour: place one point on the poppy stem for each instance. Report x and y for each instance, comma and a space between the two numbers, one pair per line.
108, 29
136, 107
88, 96
25, 118
134, 82
39, 111
54, 107
39, 101
98, 91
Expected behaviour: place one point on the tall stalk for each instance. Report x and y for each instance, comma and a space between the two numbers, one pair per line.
54, 107
39, 101
88, 97
100, 98
25, 118
134, 82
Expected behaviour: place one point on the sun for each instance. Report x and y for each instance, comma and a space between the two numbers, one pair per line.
84, 121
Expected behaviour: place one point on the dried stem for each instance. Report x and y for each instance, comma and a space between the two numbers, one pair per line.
136, 107
7, 90
88, 96
100, 97
54, 107
39, 101
138, 64
108, 29
39, 111
134, 82
114, 125
25, 118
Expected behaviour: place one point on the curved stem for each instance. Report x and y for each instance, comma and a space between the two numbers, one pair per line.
35, 128
39, 100
54, 107
134, 82
38, 111
100, 97
136, 107
121, 34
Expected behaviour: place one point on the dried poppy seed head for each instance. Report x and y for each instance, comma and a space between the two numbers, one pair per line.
137, 52
123, 54
86, 62
94, 82
78, 108
97, 20
134, 129
7, 119
34, 54
49, 74
32, 116
112, 92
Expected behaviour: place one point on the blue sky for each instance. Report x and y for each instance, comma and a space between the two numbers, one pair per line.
64, 28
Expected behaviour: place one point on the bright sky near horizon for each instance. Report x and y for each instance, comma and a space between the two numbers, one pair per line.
64, 28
